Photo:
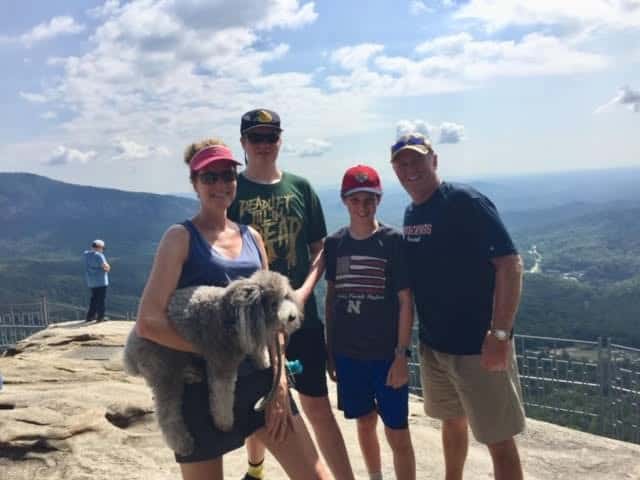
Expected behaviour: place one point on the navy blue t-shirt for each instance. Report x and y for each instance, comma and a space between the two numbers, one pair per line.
451, 239
367, 275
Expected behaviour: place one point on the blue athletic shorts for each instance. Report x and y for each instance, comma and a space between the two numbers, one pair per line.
361, 389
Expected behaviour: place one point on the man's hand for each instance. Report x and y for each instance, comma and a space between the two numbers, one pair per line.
398, 375
278, 415
495, 353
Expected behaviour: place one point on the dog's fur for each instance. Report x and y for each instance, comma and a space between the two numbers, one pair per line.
225, 325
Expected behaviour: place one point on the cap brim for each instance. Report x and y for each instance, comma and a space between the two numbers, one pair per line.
416, 148
211, 161
273, 127
361, 189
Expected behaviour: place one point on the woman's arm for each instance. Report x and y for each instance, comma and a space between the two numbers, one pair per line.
152, 322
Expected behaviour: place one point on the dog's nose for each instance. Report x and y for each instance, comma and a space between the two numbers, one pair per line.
292, 318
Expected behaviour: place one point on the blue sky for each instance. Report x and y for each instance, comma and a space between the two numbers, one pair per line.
110, 93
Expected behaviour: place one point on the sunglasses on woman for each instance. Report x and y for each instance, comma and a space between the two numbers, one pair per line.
209, 178
271, 137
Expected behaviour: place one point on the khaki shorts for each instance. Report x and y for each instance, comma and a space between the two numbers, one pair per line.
457, 386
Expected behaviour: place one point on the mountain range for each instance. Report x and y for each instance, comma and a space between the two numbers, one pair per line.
578, 233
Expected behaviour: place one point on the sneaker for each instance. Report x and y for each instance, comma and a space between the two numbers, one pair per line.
249, 477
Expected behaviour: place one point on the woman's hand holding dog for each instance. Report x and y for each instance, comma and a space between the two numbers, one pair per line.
279, 418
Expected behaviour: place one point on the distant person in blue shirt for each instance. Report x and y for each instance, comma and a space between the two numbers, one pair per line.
466, 277
97, 276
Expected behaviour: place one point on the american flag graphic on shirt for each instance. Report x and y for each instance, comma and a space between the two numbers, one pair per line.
361, 274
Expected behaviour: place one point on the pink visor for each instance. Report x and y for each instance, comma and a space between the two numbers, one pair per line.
211, 154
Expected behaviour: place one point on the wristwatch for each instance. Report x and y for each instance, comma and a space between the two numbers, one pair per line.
399, 351
501, 335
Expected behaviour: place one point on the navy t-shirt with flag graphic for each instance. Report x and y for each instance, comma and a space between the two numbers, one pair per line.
367, 275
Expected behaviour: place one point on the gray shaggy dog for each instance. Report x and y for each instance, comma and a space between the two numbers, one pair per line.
225, 325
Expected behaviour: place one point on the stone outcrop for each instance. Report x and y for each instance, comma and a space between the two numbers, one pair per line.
68, 411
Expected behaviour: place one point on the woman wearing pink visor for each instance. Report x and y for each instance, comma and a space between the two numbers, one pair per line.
209, 249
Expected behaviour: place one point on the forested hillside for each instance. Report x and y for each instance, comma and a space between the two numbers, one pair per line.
582, 256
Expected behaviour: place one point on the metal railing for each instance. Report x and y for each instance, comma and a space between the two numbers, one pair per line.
590, 386
20, 320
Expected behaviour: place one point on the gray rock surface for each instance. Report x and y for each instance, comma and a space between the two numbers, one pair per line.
68, 411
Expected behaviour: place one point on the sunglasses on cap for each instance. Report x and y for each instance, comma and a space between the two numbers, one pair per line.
255, 137
409, 140
209, 178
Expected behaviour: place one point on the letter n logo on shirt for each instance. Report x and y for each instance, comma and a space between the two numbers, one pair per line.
354, 307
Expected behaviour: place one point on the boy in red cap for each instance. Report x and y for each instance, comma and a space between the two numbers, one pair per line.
369, 315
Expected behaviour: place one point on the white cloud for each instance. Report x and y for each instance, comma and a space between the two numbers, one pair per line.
446, 132
288, 14
625, 97
49, 115
57, 26
34, 97
449, 44
109, 7
498, 14
170, 72
451, 133
64, 155
355, 57
418, 7
404, 127
458, 62
311, 147
129, 150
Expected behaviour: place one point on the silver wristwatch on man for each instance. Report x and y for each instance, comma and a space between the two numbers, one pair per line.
501, 335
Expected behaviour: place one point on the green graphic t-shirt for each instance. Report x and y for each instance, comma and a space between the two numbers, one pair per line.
289, 217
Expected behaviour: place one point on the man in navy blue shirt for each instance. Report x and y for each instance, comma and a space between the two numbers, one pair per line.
97, 278
466, 276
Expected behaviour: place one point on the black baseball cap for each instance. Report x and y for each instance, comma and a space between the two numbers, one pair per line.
259, 118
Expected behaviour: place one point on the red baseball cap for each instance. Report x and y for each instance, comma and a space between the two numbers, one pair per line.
211, 154
361, 178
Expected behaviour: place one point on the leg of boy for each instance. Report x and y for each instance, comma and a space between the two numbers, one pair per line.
404, 461
393, 406
356, 398
368, 439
